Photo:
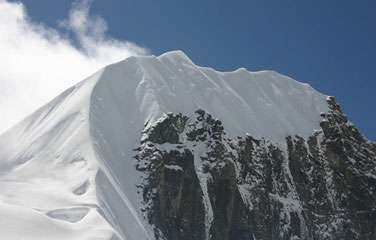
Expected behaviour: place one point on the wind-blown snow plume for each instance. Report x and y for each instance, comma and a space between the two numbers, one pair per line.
37, 62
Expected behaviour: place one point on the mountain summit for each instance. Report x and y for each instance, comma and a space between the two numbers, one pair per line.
159, 148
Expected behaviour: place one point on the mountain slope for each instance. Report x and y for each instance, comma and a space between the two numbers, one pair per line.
200, 183
47, 173
71, 167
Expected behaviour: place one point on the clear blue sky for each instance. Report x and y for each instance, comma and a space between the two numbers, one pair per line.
330, 44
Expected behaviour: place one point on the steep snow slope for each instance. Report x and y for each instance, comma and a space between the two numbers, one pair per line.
47, 173
245, 101
67, 171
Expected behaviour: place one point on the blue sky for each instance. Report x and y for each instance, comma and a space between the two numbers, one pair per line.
328, 44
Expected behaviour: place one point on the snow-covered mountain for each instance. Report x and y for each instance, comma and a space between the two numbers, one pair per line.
159, 148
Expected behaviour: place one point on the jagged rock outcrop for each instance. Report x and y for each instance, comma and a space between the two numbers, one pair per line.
201, 184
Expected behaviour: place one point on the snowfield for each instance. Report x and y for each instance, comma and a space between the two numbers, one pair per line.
67, 171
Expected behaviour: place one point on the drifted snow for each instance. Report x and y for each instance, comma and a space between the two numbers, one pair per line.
67, 171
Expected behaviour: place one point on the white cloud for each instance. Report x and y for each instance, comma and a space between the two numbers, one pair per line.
38, 62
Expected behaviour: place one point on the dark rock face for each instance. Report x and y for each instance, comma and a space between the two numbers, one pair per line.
200, 184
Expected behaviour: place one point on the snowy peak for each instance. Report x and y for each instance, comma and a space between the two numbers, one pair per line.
175, 56
75, 156
264, 103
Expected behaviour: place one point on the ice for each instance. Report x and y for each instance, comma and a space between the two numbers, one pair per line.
72, 215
